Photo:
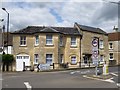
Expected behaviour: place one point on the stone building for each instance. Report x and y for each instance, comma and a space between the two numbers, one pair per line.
88, 33
60, 46
114, 48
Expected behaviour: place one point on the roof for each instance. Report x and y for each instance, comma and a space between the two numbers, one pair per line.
63, 30
43, 29
91, 29
10, 36
115, 36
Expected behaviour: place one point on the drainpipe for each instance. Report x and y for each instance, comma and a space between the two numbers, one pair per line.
80, 50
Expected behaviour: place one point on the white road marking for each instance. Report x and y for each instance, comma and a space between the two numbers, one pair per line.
1, 79
114, 74
118, 84
72, 72
28, 85
108, 80
81, 72
85, 72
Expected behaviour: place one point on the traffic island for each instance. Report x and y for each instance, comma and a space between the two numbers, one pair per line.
100, 77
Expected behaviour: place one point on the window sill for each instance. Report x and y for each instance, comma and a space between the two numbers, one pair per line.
73, 46
101, 48
110, 48
35, 64
61, 45
111, 59
49, 45
36, 45
73, 63
23, 45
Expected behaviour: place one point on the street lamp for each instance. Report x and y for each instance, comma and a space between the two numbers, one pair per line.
7, 26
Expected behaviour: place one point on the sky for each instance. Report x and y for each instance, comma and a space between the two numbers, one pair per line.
63, 13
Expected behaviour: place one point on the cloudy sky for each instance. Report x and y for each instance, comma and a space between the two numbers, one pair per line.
95, 13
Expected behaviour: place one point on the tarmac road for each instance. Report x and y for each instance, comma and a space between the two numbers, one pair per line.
58, 79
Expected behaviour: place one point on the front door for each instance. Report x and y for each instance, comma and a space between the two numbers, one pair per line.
85, 59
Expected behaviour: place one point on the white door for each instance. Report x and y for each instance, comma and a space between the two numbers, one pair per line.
20, 59
19, 63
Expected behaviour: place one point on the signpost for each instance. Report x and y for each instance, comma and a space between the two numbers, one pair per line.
95, 53
44, 67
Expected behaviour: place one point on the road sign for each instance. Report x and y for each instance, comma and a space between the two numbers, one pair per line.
44, 66
95, 54
95, 42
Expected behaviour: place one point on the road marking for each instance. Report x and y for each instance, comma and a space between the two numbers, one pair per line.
85, 72
1, 79
118, 84
28, 85
81, 72
114, 74
72, 72
108, 80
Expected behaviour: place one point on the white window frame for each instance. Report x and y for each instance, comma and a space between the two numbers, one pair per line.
73, 60
110, 56
101, 44
22, 40
73, 40
49, 39
36, 40
49, 59
110, 45
36, 58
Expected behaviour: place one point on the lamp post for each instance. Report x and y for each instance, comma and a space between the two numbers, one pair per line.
7, 26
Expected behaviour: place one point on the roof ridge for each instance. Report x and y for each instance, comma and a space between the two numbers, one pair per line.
49, 28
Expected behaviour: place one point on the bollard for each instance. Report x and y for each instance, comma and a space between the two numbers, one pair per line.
105, 69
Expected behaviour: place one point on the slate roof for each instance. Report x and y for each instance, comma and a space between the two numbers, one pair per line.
40, 29
67, 30
91, 29
63, 30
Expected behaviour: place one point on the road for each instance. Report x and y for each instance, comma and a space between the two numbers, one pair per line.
59, 79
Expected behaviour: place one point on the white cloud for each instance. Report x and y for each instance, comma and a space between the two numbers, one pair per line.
93, 14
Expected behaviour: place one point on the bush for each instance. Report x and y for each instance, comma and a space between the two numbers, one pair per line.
7, 58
